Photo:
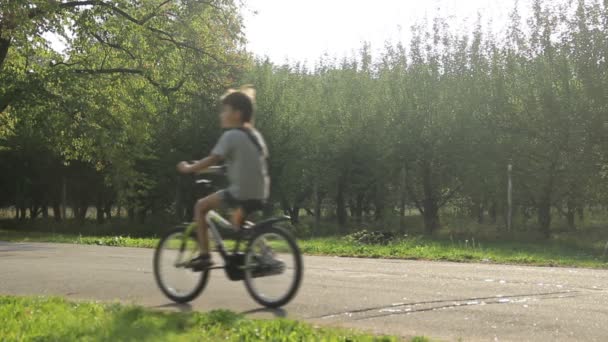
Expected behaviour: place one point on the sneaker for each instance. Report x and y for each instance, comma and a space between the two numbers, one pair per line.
201, 262
268, 265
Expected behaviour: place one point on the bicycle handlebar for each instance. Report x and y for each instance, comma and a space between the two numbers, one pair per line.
213, 170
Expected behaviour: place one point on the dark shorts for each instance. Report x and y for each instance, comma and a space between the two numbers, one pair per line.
229, 201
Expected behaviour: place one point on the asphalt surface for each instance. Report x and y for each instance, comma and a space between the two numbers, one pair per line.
444, 301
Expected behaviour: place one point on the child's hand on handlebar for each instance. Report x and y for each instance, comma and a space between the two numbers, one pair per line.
198, 166
184, 167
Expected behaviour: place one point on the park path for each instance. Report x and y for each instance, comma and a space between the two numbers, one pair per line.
445, 301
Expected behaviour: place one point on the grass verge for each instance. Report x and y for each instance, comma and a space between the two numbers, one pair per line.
543, 253
55, 319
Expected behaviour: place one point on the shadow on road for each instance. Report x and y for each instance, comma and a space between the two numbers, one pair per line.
276, 312
185, 307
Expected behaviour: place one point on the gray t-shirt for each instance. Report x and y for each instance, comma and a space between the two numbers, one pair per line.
247, 167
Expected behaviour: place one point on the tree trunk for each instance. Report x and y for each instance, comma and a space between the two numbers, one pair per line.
402, 211
5, 44
291, 211
75, 211
340, 205
318, 200
99, 214
82, 212
430, 205
379, 206
581, 213
480, 216
23, 209
544, 206
544, 217
570, 215
108, 211
570, 219
57, 212
99, 208
34, 211
479, 211
189, 212
64, 200
493, 212
431, 216
142, 216
285, 206
402, 198
19, 201
45, 211
525, 211
294, 213
359, 208
131, 214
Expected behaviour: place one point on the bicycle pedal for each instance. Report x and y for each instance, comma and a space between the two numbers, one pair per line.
268, 270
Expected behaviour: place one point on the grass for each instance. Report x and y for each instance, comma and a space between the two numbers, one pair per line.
116, 241
55, 319
549, 253
541, 253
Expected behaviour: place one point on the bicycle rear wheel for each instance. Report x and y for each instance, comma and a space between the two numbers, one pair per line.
177, 282
273, 267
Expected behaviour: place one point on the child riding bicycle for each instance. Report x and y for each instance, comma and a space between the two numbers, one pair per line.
243, 150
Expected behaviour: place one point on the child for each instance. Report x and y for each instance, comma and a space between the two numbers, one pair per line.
242, 148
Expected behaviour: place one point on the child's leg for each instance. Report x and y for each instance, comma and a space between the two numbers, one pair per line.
238, 218
202, 207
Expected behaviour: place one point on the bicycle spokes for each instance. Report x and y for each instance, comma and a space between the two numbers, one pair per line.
270, 267
174, 255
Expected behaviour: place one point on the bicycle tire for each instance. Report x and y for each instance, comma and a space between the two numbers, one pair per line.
202, 281
298, 272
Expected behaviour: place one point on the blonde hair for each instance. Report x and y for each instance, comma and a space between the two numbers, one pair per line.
246, 89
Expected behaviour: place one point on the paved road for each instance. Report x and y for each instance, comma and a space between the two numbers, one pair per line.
446, 301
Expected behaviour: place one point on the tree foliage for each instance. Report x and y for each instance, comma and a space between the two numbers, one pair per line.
429, 125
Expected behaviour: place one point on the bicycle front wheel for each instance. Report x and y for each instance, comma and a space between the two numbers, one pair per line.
178, 282
273, 267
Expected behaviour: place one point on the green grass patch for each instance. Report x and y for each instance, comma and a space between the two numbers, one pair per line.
545, 253
539, 253
116, 241
55, 319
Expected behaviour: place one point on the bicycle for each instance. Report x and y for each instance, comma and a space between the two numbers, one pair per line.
271, 264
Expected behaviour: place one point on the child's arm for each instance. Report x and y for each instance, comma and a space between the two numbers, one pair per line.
222, 149
185, 167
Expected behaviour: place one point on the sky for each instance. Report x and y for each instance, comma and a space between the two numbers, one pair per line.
303, 31
297, 30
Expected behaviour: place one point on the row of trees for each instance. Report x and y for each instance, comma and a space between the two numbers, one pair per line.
427, 125
436, 122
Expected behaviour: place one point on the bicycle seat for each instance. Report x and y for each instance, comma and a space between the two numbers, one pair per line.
251, 206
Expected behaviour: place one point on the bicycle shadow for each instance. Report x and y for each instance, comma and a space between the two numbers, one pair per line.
279, 312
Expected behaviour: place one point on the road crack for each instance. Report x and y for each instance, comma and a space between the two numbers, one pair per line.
415, 307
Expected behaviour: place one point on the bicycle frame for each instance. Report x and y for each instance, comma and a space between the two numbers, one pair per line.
214, 219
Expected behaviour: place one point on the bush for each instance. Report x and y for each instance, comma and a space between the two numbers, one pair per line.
366, 237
